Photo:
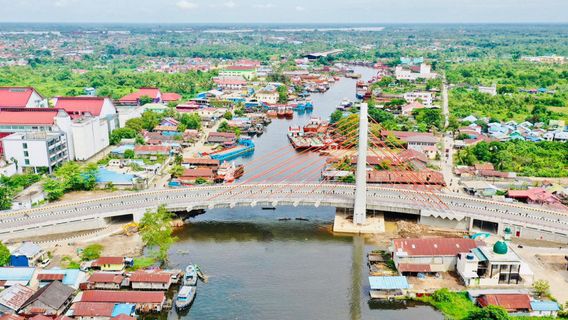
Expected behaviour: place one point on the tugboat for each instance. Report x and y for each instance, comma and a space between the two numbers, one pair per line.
190, 277
229, 172
185, 297
288, 113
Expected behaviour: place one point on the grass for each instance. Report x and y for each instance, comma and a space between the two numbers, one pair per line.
457, 308
143, 262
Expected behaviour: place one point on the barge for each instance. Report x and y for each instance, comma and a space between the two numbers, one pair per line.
245, 146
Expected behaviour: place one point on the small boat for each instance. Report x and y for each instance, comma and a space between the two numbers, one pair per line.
284, 219
201, 275
185, 297
190, 276
302, 219
268, 208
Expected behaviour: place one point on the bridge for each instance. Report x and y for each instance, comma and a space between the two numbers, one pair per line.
461, 211
430, 206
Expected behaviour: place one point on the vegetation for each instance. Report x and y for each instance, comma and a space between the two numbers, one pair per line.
541, 288
156, 230
541, 159
143, 263
11, 186
454, 305
4, 255
91, 252
71, 176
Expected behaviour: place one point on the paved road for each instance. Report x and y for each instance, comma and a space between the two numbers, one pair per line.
411, 201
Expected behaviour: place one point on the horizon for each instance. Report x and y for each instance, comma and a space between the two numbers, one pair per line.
279, 11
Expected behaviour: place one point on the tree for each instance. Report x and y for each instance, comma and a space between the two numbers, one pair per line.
282, 94
191, 121
541, 288
228, 115
5, 198
156, 231
4, 255
177, 171
53, 189
135, 124
336, 116
200, 180
145, 100
489, 313
442, 295
122, 133
91, 252
129, 154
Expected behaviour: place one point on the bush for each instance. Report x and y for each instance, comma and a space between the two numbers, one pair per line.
4, 255
489, 313
91, 252
442, 295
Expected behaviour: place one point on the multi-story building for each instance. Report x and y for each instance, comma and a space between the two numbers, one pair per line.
90, 136
36, 150
101, 107
245, 71
270, 97
424, 71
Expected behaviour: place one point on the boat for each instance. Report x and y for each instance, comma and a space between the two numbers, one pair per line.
229, 172
201, 275
361, 89
284, 219
288, 113
185, 297
302, 219
272, 113
245, 146
268, 208
190, 276
345, 104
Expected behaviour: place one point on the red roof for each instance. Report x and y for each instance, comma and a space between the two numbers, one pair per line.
29, 116
534, 194
81, 105
197, 173
170, 96
50, 276
229, 81
148, 92
15, 97
39, 316
434, 246
152, 149
106, 277
11, 317
123, 296
201, 161
511, 302
153, 277
93, 309
240, 68
108, 260
425, 177
413, 267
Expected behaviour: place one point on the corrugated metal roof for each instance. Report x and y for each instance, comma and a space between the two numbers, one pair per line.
16, 274
15, 296
413, 267
538, 305
50, 276
388, 283
433, 246
150, 277
123, 296
93, 309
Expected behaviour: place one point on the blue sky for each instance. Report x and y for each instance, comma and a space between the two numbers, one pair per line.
278, 11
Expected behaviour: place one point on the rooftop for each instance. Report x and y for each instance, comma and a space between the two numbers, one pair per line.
433, 246
388, 283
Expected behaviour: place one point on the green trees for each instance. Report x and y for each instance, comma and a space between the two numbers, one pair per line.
70, 177
228, 115
5, 198
336, 116
122, 133
431, 118
191, 121
4, 255
489, 313
91, 252
129, 154
10, 186
157, 233
177, 171
282, 94
541, 288
540, 159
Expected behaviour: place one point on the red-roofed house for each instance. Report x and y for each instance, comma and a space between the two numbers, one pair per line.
155, 94
533, 195
101, 107
191, 175
150, 280
434, 254
146, 301
230, 83
21, 97
152, 150
105, 280
109, 264
510, 302
93, 310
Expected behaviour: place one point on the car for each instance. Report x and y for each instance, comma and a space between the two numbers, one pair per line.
44, 263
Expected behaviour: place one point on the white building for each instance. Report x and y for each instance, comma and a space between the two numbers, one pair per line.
270, 97
424, 71
488, 90
425, 98
101, 107
36, 150
90, 136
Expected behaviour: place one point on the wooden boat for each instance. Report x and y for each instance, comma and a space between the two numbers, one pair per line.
302, 219
201, 275
185, 297
190, 276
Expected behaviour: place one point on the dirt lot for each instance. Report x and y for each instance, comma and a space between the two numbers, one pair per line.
431, 283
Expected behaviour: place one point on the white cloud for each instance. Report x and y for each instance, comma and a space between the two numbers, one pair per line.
230, 4
263, 5
186, 5
62, 3
300, 8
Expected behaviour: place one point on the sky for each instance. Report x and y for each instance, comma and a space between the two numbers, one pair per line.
285, 11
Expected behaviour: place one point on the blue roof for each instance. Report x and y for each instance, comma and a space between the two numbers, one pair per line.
122, 148
16, 274
388, 283
538, 305
70, 277
104, 175
123, 308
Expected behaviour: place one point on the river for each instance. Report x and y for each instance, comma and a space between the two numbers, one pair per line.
262, 268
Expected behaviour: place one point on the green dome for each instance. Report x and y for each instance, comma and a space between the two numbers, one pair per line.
507, 230
500, 247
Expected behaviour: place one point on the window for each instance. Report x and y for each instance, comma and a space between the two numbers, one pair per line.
27, 162
26, 154
25, 145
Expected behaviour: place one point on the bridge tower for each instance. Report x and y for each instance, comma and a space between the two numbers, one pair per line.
360, 209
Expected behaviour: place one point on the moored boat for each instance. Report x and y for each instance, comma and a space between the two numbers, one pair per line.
185, 297
229, 172
190, 276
